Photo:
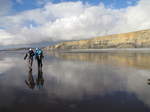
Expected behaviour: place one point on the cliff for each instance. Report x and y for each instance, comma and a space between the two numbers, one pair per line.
138, 39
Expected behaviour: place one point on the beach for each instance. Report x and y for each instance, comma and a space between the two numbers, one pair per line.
99, 80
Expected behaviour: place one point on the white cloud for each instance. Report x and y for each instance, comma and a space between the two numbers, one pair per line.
5, 7
129, 2
73, 20
136, 18
6, 38
20, 1
42, 2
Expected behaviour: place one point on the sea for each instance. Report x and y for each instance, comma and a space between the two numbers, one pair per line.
108, 80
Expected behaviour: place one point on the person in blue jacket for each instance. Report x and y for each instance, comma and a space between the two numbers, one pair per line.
39, 56
29, 55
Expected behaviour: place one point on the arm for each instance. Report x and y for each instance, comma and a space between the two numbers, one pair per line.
42, 54
25, 56
35, 55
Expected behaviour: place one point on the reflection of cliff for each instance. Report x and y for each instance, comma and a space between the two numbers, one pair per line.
138, 39
135, 59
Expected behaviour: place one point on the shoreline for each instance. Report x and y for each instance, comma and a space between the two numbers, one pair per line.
106, 50
85, 50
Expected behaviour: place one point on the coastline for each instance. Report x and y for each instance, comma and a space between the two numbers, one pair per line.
105, 50
85, 50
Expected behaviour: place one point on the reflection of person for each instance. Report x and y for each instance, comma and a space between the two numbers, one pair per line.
39, 79
148, 81
29, 55
39, 56
30, 83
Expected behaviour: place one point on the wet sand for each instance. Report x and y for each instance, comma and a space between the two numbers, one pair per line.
102, 81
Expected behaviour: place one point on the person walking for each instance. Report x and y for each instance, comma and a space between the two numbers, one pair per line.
29, 55
38, 57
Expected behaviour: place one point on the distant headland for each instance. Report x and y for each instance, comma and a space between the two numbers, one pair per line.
16, 49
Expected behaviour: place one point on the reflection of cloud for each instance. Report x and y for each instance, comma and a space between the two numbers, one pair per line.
10, 60
6, 64
72, 79
97, 79
10, 70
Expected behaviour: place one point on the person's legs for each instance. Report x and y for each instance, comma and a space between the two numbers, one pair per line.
30, 63
39, 61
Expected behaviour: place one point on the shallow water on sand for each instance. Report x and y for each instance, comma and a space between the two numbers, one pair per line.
81, 82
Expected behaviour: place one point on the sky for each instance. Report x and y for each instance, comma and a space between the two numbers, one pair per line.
48, 21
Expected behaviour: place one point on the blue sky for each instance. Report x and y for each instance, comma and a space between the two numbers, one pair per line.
20, 5
36, 21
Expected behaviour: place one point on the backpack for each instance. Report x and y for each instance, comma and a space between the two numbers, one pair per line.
30, 54
39, 54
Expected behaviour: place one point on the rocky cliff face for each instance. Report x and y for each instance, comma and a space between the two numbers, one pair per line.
138, 39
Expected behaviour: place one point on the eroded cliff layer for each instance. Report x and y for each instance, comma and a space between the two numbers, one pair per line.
138, 39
